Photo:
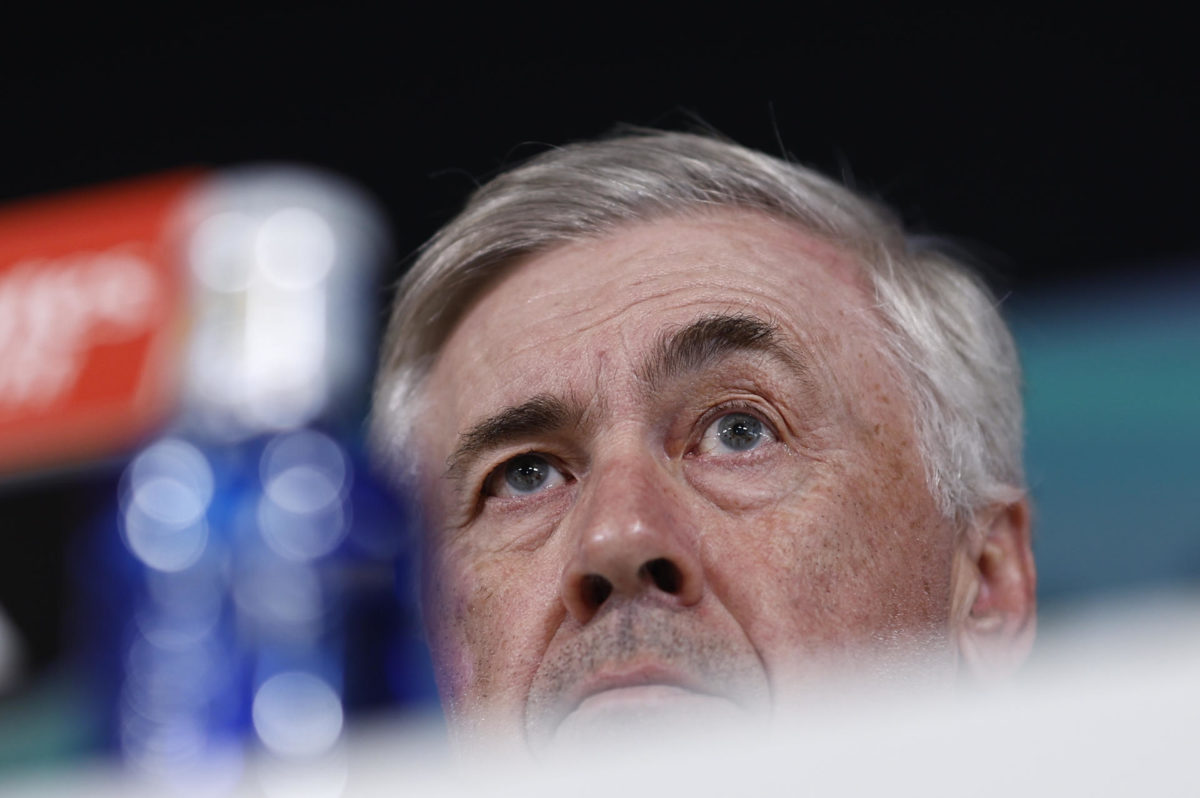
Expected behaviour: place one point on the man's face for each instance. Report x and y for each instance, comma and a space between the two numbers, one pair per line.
670, 473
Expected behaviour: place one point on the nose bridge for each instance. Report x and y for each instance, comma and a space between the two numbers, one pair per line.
633, 535
632, 495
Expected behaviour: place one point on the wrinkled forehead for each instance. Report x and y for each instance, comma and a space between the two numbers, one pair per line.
580, 316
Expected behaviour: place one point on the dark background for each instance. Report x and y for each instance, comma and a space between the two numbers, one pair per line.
1060, 146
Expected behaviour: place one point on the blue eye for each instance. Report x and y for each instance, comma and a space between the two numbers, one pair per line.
524, 475
734, 432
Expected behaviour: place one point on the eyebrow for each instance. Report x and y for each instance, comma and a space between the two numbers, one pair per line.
689, 349
708, 339
543, 414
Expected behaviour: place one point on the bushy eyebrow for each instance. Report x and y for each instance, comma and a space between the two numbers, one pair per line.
708, 339
541, 415
689, 349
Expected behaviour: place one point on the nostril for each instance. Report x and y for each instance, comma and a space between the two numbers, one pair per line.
665, 574
596, 589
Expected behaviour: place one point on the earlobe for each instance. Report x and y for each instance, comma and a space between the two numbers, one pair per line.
998, 616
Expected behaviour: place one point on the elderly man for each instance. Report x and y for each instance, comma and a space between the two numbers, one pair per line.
695, 430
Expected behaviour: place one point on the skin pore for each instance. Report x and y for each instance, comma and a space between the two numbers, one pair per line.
669, 473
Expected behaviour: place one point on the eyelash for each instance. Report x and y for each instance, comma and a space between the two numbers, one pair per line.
724, 409
486, 489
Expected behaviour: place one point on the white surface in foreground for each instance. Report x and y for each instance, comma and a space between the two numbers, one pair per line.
1111, 707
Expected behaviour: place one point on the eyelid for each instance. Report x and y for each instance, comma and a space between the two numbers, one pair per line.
713, 414
486, 491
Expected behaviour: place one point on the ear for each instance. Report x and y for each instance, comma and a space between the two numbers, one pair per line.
996, 591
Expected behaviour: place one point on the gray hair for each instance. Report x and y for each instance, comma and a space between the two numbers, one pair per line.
944, 334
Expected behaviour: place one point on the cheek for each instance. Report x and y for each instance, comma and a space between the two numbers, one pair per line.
833, 570
914, 544
886, 560
446, 607
486, 617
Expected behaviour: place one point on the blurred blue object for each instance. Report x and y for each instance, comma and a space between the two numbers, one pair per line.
248, 592
248, 585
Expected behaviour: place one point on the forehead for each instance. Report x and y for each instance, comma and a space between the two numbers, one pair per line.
572, 318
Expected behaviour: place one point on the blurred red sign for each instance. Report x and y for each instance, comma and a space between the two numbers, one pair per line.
91, 321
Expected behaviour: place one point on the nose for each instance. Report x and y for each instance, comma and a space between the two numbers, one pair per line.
634, 538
